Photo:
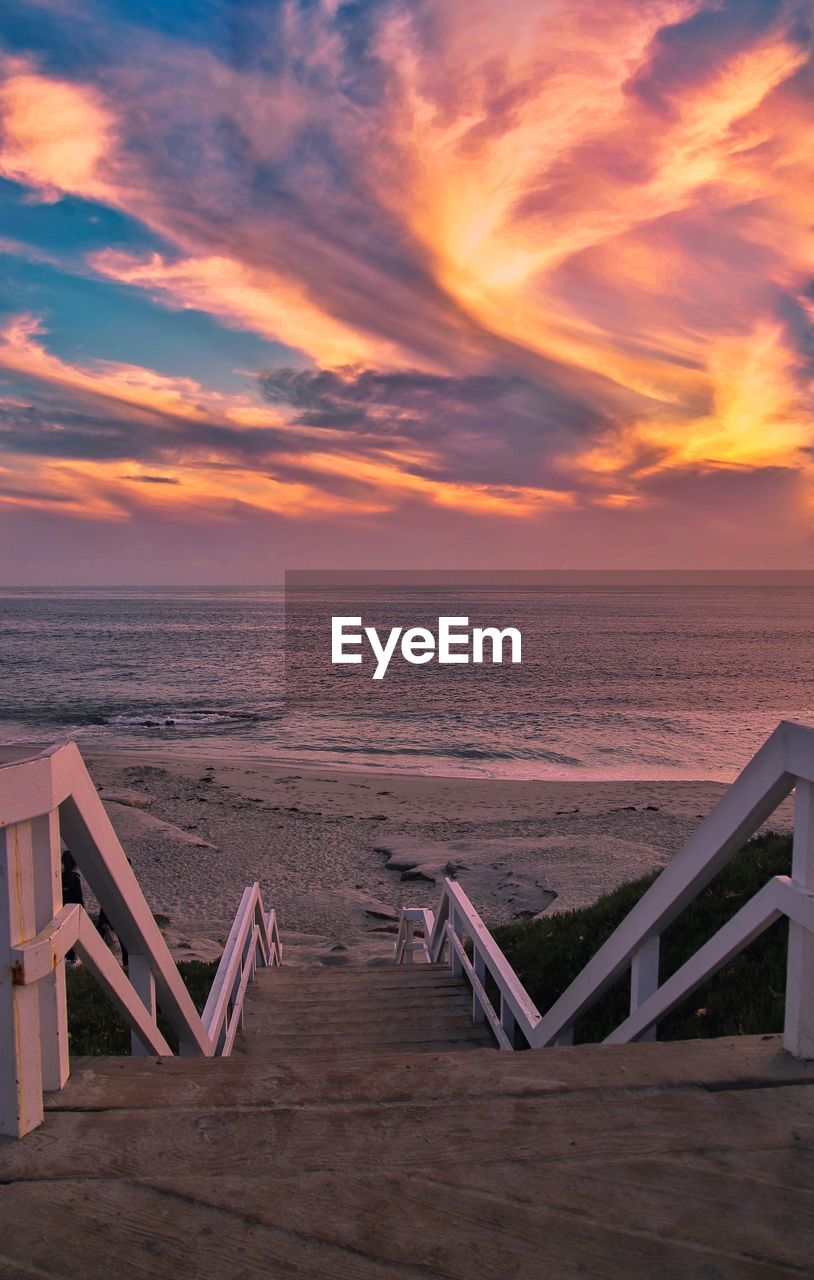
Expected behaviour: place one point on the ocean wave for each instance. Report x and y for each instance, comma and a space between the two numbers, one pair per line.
177, 719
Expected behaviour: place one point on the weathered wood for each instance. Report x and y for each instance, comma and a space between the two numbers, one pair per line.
598, 1183
98, 1230
327, 1134
509, 1219
799, 1016
677, 1160
670, 1194
21, 1106
339, 1141
47, 868
737, 1063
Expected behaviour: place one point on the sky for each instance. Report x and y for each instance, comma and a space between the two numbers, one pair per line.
303, 283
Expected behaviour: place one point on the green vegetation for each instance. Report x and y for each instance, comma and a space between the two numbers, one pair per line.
95, 1024
745, 997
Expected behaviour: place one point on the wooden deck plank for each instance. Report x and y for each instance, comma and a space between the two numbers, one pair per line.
96, 1230
335, 1134
669, 1196
466, 1231
330, 1147
121, 1083
366, 1226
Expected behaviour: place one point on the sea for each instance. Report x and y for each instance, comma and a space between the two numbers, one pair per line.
619, 682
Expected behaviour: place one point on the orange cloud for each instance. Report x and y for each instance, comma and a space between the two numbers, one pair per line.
389, 478
57, 136
181, 424
760, 418
485, 192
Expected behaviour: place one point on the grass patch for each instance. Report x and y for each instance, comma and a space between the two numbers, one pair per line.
746, 997
95, 1025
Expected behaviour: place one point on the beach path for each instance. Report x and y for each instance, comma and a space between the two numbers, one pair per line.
360, 1131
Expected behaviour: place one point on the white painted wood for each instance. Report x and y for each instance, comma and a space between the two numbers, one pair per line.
644, 977
479, 966
20, 1057
101, 962
758, 913
507, 1019
798, 750
236, 1021
454, 920
216, 1010
407, 944
36, 959
47, 869
798, 1033
456, 929
785, 759
517, 998
33, 786
36, 931
753, 796
143, 982
479, 993
89, 834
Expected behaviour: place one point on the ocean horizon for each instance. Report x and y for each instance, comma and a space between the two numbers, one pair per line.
656, 681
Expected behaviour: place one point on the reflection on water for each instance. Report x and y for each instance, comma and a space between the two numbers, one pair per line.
617, 681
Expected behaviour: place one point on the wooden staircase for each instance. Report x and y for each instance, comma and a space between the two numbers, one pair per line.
352, 1010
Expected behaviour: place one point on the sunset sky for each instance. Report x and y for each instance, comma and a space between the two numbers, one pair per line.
459, 282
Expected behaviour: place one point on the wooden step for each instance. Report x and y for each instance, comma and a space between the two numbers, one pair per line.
358, 1009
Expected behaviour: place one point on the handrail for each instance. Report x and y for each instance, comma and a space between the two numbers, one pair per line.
445, 931
784, 763
46, 798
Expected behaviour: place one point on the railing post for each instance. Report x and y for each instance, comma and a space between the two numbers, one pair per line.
479, 965
20, 1054
799, 1026
507, 1018
454, 961
47, 868
142, 980
644, 977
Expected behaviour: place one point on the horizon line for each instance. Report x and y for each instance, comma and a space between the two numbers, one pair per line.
441, 577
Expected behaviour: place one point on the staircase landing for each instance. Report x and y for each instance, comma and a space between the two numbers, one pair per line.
309, 1159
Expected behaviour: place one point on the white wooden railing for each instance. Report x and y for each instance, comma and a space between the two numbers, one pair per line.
784, 763
432, 935
47, 799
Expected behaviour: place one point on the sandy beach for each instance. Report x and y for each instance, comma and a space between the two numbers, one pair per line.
338, 852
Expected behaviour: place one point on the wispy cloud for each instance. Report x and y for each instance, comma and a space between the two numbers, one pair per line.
530, 256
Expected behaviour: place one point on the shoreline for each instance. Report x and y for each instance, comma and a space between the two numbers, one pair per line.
178, 752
